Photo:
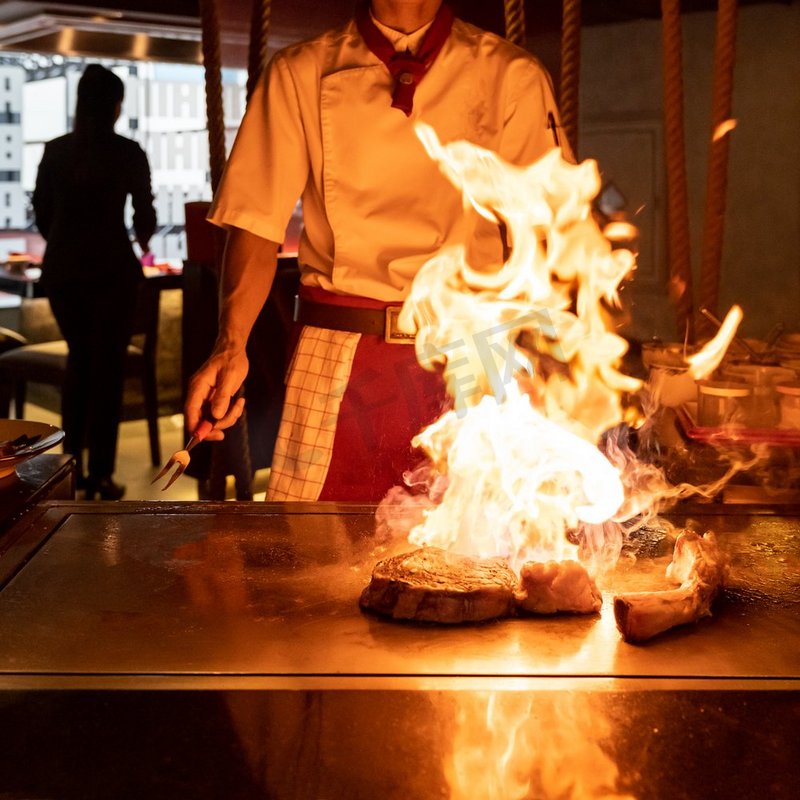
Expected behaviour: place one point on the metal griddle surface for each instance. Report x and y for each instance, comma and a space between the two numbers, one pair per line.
272, 591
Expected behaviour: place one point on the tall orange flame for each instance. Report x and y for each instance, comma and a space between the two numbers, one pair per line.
531, 365
528, 360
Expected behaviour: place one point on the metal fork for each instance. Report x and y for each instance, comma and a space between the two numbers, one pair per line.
180, 458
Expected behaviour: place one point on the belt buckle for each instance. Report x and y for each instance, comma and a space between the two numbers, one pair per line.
391, 332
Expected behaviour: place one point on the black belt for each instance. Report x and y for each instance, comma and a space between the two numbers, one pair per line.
372, 321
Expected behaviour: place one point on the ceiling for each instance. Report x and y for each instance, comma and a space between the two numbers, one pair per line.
169, 29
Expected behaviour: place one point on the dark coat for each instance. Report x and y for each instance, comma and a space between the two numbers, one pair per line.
79, 203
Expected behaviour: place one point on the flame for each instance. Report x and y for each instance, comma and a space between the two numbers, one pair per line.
533, 370
620, 231
723, 129
516, 745
517, 481
528, 359
708, 359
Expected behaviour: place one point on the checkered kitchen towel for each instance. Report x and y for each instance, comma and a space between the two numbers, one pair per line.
318, 376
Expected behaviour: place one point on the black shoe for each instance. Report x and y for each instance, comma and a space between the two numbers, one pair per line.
105, 488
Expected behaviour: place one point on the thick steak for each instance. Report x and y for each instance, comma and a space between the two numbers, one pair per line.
432, 585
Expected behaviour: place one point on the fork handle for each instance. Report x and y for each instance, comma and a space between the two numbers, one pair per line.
200, 432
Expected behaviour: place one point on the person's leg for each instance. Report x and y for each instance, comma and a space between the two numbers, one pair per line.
112, 321
71, 310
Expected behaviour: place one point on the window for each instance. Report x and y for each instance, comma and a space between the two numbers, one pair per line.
8, 199
8, 116
8, 84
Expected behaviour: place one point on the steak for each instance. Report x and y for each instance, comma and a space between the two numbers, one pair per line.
432, 585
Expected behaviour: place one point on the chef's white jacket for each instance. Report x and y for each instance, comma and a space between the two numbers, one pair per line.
320, 126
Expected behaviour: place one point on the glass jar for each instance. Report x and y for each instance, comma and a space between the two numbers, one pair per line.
763, 406
789, 400
722, 403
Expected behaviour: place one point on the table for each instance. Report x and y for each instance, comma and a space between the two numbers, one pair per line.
210, 649
26, 283
22, 287
23, 282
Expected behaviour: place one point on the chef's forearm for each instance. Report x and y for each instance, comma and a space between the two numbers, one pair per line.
249, 265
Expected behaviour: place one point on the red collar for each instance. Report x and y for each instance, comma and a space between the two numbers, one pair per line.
407, 69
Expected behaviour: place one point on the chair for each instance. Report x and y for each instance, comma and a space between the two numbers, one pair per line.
45, 362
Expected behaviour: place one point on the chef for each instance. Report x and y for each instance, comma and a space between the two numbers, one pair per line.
332, 122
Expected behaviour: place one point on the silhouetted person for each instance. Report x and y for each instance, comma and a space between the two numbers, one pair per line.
90, 271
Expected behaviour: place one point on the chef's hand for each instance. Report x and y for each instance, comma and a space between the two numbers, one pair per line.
213, 387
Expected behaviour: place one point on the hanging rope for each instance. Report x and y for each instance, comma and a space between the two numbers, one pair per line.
232, 454
717, 179
678, 241
515, 21
570, 70
259, 37
212, 64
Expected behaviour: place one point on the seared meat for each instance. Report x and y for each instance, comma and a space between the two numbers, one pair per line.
547, 588
699, 567
432, 585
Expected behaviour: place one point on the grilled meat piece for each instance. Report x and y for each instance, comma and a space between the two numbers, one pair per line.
432, 585
700, 569
547, 588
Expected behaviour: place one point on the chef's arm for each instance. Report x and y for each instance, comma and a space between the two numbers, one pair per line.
144, 213
248, 269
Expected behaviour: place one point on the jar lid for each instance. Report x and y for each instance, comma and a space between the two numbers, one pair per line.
792, 388
724, 389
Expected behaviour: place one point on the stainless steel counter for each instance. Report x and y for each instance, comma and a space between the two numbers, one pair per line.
113, 617
132, 589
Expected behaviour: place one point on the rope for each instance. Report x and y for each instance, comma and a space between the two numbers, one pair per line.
717, 179
678, 241
259, 37
215, 115
515, 21
234, 454
570, 70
